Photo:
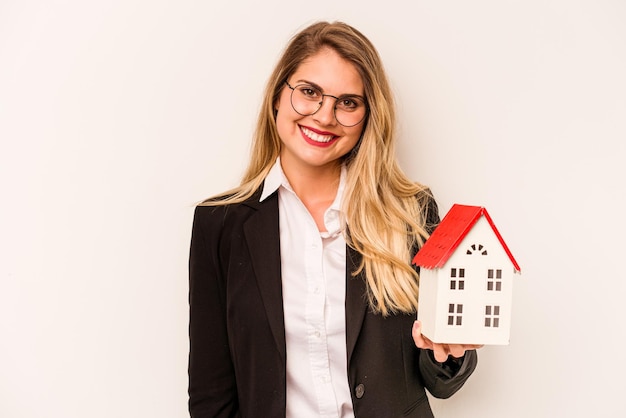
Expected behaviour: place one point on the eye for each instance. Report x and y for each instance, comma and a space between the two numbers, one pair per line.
309, 92
348, 103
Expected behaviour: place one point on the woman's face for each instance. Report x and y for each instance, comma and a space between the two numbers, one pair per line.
318, 141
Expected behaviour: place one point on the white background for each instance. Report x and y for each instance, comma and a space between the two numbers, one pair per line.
117, 116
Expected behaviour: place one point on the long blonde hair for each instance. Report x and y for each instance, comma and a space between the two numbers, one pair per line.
385, 212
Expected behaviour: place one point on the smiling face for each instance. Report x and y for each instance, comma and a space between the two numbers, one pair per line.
318, 141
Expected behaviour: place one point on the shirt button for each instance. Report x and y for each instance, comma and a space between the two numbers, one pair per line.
360, 390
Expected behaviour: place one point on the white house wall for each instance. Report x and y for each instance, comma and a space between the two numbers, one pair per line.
427, 303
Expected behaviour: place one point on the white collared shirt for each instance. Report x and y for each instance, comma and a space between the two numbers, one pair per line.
313, 266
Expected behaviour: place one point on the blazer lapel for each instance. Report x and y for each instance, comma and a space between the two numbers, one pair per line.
356, 300
261, 231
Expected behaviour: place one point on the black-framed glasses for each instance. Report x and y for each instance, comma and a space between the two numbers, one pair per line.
306, 100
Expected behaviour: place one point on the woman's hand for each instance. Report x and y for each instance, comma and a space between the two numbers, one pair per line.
441, 351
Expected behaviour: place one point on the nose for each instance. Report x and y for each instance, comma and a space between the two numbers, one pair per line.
326, 113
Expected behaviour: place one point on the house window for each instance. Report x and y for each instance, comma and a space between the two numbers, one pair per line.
494, 280
455, 314
457, 277
492, 316
476, 249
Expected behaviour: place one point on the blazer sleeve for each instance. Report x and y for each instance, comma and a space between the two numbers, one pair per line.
212, 389
444, 379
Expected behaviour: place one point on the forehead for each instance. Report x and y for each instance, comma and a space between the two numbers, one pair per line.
331, 72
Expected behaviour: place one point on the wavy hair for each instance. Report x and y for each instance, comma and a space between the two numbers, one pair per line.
385, 212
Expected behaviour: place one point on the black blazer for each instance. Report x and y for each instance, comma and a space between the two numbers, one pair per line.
237, 352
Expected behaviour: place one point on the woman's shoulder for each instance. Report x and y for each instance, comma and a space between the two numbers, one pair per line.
226, 207
231, 198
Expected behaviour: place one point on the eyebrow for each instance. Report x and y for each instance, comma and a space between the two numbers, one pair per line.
317, 86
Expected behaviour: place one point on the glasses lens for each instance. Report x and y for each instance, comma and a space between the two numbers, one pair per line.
306, 99
349, 110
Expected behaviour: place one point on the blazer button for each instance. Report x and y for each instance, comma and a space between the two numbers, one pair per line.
360, 390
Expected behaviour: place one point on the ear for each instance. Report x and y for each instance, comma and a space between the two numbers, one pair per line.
276, 107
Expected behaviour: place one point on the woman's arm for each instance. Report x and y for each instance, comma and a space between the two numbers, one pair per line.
444, 367
212, 387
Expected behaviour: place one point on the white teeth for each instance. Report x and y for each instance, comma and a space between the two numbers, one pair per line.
315, 136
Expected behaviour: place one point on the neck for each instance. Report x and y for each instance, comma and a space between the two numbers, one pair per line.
316, 187
316, 184
320, 183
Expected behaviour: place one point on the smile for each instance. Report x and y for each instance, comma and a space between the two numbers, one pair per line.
317, 137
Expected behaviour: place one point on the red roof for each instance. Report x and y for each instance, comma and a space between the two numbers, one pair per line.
449, 234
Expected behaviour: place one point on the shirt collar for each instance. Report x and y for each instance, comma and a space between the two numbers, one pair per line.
275, 178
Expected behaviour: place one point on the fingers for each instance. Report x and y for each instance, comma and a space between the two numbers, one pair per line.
456, 350
441, 352
420, 340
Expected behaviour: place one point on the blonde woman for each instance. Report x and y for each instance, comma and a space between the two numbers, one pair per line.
302, 296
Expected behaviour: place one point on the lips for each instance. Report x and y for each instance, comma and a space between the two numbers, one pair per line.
318, 138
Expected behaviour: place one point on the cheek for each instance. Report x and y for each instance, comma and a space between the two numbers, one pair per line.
283, 112
357, 132
284, 117
355, 138
284, 101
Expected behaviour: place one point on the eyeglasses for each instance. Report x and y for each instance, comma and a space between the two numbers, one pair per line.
306, 100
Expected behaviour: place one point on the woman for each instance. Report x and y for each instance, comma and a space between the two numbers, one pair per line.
302, 297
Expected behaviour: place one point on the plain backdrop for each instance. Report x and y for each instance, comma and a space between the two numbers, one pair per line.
118, 116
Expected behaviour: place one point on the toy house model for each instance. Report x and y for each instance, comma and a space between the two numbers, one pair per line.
466, 280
